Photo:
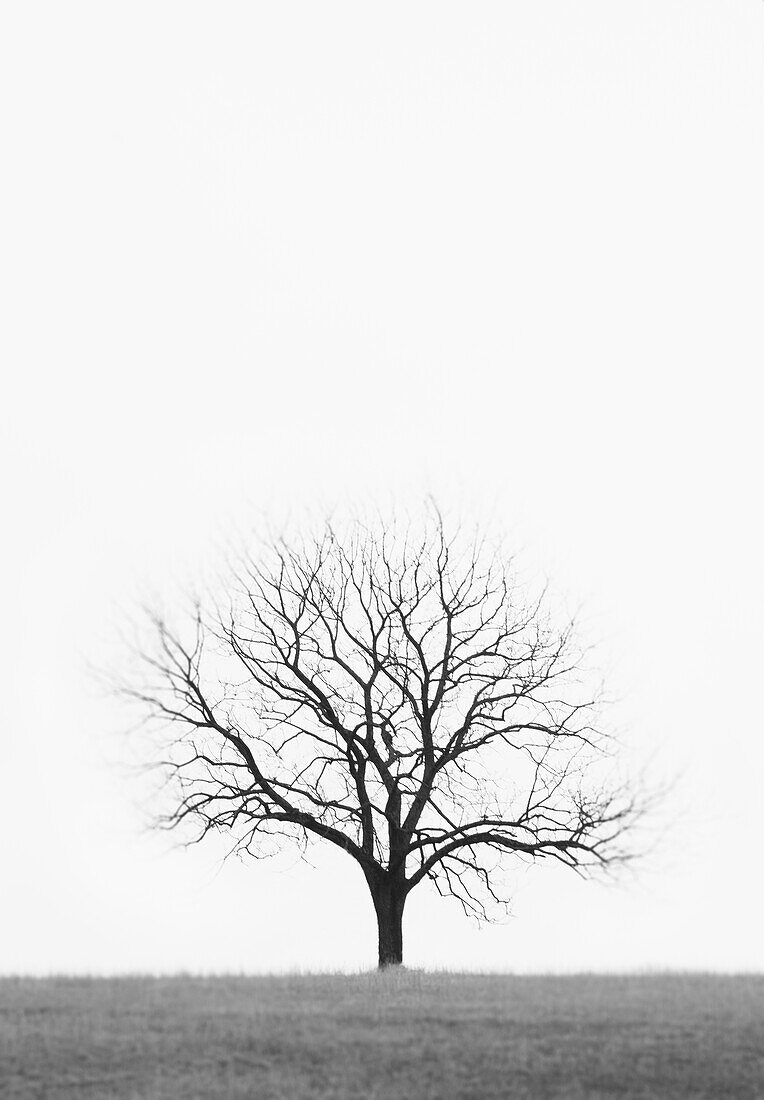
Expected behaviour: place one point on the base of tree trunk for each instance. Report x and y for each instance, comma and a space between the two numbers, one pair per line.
389, 909
391, 964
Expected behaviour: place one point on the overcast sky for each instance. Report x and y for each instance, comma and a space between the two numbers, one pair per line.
270, 258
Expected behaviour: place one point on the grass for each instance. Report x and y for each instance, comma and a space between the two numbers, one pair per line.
391, 1035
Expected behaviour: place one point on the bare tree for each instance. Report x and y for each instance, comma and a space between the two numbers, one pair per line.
389, 693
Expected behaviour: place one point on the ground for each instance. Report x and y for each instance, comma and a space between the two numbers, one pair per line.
391, 1035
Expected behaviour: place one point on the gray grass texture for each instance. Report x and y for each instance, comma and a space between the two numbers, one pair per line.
383, 1035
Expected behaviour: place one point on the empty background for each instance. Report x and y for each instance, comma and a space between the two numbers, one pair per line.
266, 258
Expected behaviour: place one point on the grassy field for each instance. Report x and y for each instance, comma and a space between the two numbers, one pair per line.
392, 1035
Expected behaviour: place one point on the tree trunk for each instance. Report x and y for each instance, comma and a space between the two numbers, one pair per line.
388, 905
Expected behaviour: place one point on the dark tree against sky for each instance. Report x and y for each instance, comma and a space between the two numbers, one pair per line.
390, 691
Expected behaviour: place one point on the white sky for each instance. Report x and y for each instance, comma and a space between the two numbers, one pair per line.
276, 256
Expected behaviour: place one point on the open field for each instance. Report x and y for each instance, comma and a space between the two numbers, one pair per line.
391, 1035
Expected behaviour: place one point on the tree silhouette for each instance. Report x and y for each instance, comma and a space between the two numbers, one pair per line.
389, 692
